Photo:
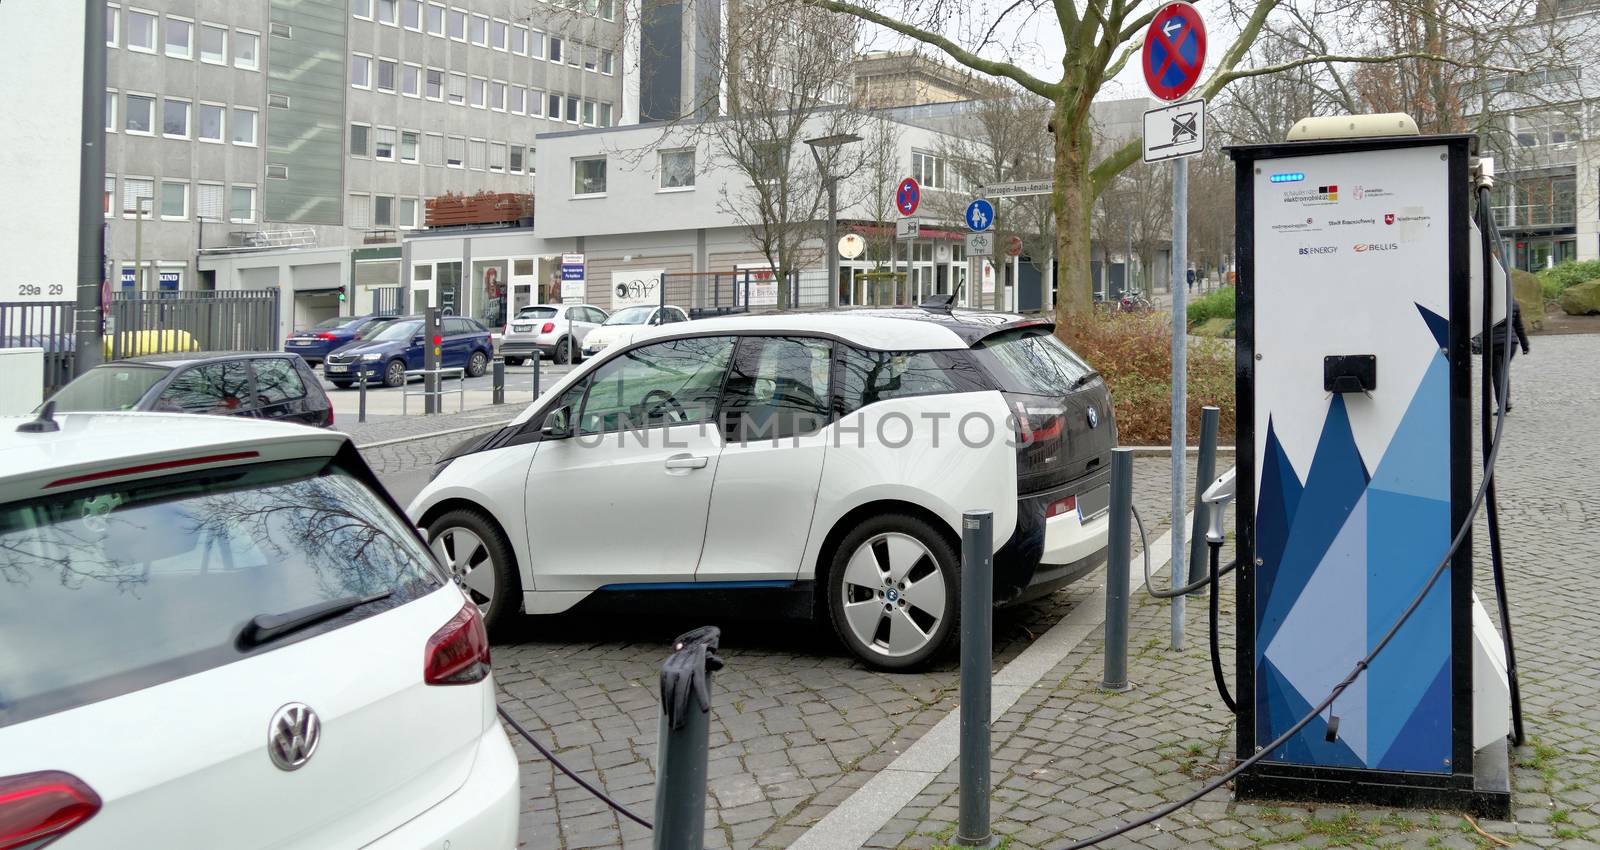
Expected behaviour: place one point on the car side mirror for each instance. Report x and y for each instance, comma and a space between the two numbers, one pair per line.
416, 340
558, 424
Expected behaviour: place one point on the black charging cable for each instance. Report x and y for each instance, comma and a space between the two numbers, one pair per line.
1209, 580
584, 784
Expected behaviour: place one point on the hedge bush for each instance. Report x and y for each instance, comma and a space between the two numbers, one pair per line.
1133, 351
1217, 304
1556, 279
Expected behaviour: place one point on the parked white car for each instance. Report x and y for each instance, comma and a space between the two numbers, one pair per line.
222, 634
625, 324
557, 330
823, 460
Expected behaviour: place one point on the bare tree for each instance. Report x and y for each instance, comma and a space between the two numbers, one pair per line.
881, 169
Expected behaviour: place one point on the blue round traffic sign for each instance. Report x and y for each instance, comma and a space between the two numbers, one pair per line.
908, 196
1174, 51
980, 215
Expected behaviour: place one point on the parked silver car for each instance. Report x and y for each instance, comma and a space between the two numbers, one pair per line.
554, 329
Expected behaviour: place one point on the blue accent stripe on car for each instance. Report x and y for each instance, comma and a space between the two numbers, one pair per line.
698, 585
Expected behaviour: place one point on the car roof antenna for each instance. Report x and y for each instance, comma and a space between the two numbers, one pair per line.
938, 303
44, 424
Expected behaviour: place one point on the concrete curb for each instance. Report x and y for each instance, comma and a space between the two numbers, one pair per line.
1164, 451
432, 434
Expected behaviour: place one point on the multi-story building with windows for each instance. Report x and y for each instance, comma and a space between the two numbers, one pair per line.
326, 124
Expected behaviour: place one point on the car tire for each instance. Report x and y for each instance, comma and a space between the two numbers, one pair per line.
342, 385
477, 364
513, 361
563, 353
466, 541
886, 583
394, 373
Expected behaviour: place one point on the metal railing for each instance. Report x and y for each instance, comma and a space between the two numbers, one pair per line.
46, 325
458, 372
211, 320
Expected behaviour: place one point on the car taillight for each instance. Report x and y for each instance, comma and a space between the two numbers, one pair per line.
328, 337
1061, 506
458, 653
549, 327
505, 330
37, 808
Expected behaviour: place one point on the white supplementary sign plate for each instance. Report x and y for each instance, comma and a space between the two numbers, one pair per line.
1175, 131
980, 244
907, 228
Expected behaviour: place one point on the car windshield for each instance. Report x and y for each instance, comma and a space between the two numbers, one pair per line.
115, 387
375, 328
330, 324
631, 316
397, 331
122, 587
536, 313
1032, 360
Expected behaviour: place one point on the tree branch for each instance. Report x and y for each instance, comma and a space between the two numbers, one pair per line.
950, 48
1127, 53
1223, 78
1101, 175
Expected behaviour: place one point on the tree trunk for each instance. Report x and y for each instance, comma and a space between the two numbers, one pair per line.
1072, 199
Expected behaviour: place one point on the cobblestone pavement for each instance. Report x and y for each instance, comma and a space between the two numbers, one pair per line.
1070, 762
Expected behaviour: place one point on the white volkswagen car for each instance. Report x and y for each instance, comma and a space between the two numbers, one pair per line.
221, 634
625, 324
822, 461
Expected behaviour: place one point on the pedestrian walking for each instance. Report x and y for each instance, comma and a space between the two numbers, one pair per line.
1499, 338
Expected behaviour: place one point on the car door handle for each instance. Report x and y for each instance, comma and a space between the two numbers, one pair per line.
686, 462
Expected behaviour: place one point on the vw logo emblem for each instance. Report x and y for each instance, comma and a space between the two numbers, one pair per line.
1094, 419
292, 735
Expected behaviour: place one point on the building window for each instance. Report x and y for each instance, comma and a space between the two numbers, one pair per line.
387, 69
138, 113
433, 148
110, 195
278, 29
208, 199
175, 118
928, 169
479, 34
277, 101
384, 147
244, 126
435, 84
113, 16
458, 25
605, 115
478, 154
499, 34
497, 96
497, 156
458, 88
174, 200
138, 194
455, 152
208, 124
589, 176
408, 145
389, 12
179, 40
435, 19
422, 271
608, 9
476, 91
277, 171
142, 31
536, 44
213, 44
535, 102
411, 80
588, 113
572, 109
382, 211
516, 159
553, 110
519, 40
111, 110
555, 49
361, 8
608, 62
517, 100
246, 47
769, 160
357, 210
360, 71
408, 213
591, 58
360, 144
411, 15
242, 205
677, 169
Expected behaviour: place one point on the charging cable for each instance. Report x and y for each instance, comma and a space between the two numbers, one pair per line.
584, 784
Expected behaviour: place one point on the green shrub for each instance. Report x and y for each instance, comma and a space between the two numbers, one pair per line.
1556, 279
1134, 353
1217, 304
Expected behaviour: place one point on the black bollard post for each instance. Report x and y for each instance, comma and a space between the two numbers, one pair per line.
682, 749
499, 395
538, 366
977, 662
1116, 630
361, 412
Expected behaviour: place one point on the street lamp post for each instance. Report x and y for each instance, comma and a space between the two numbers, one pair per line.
831, 181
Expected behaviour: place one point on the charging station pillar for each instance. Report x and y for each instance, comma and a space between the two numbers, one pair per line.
1355, 462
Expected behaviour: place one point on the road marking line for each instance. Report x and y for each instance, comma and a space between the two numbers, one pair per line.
854, 821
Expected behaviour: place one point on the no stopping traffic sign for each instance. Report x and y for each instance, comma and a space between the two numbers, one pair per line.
1174, 51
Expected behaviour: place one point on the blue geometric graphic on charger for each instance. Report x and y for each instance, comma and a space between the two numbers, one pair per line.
1342, 555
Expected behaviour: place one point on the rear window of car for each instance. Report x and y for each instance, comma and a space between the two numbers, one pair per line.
869, 377
1032, 360
108, 388
123, 587
329, 324
537, 313
277, 380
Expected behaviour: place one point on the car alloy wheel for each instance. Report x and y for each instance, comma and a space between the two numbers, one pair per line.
476, 364
394, 374
563, 352
893, 596
471, 565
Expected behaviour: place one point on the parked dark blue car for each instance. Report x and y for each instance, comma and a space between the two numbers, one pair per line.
330, 334
397, 347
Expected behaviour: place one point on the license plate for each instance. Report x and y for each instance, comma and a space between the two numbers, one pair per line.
1094, 504
521, 329
299, 342
338, 368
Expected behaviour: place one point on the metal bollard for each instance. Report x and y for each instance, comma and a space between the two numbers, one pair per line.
977, 661
682, 749
499, 394
1116, 631
361, 412
538, 366
1205, 473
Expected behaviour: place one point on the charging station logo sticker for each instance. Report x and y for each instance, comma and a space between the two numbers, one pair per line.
1320, 249
1350, 222
1388, 218
1376, 246
1313, 196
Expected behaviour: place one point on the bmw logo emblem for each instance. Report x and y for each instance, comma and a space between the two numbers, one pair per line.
891, 594
1094, 419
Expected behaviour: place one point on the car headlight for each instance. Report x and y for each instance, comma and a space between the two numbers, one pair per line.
371, 356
